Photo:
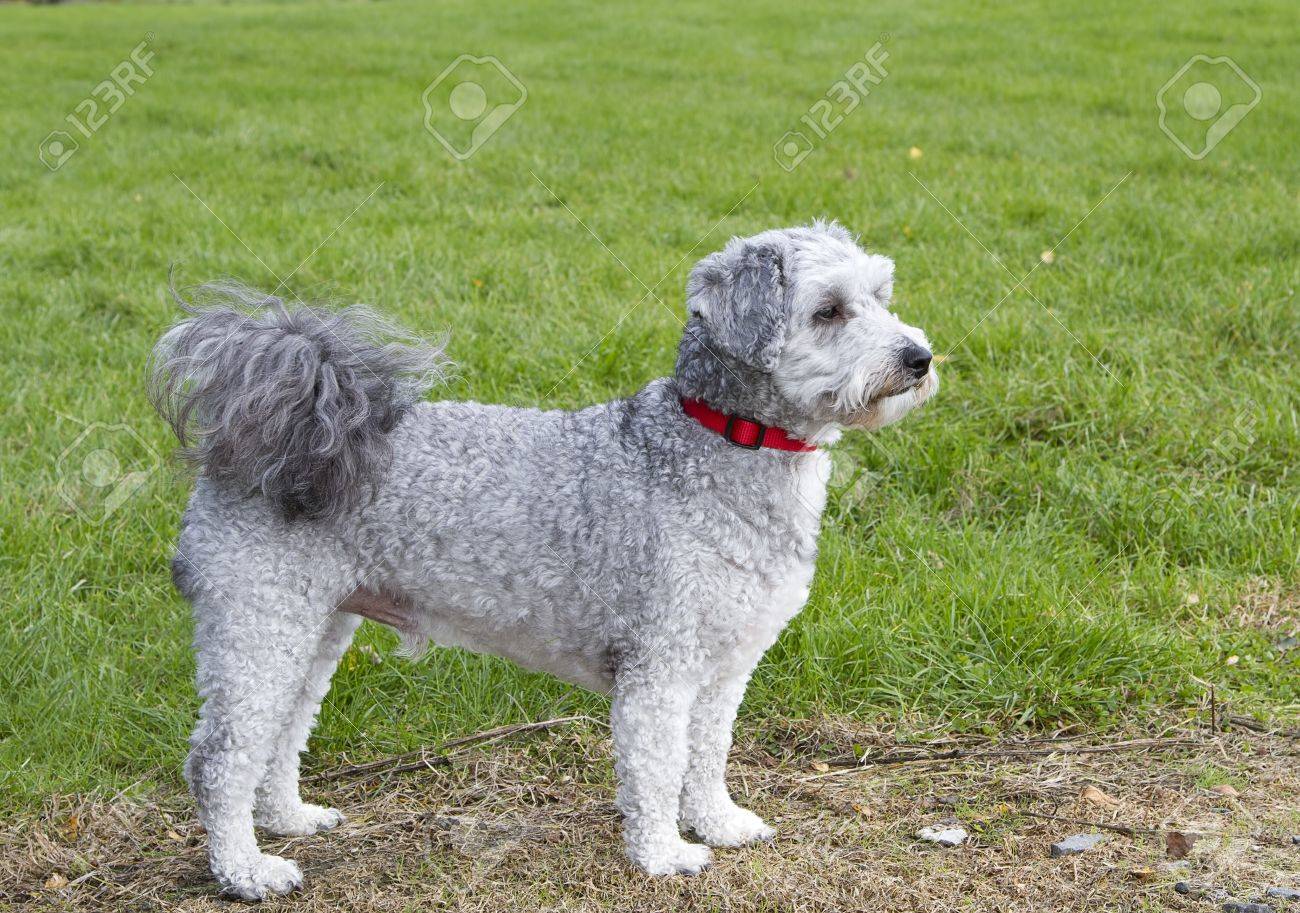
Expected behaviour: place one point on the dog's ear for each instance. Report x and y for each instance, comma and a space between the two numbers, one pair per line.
739, 295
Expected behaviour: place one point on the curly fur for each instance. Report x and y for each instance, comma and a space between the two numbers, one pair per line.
293, 402
622, 547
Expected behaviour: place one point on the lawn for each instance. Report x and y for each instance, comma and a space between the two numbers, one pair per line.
1097, 517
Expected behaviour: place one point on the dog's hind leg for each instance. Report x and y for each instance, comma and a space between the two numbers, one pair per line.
706, 805
649, 717
254, 645
278, 807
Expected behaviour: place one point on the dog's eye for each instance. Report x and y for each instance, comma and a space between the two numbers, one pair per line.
830, 311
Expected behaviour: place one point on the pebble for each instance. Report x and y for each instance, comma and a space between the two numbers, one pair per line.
1077, 844
1236, 906
944, 836
1196, 889
1296, 840
1282, 893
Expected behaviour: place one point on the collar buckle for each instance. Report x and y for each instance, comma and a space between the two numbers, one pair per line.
761, 431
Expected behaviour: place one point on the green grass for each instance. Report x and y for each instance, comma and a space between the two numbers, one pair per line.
1013, 555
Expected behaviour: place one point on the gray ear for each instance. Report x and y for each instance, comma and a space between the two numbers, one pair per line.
739, 295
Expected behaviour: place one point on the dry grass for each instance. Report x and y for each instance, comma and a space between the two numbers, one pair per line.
529, 824
1268, 606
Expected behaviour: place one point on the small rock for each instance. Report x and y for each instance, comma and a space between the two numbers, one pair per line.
1287, 643
1198, 890
1224, 789
935, 802
944, 836
1236, 906
1142, 873
1295, 840
1079, 843
1282, 893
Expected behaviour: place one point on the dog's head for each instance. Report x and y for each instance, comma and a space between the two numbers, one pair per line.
804, 313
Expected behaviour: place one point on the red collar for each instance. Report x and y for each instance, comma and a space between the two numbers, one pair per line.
741, 431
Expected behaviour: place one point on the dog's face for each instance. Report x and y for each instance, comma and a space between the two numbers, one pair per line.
812, 309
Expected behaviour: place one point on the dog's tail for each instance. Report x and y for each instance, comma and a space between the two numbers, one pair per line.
293, 401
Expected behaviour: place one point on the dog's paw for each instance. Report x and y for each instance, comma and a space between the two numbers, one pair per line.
300, 821
676, 857
261, 877
734, 826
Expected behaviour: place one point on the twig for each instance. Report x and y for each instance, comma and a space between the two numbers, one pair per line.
1125, 829
1129, 830
958, 754
1253, 725
424, 758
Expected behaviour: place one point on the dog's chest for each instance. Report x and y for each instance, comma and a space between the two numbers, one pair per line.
755, 547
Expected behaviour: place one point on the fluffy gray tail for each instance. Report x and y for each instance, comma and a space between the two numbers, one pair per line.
292, 401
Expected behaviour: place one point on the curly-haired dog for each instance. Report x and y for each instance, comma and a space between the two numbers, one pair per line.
652, 547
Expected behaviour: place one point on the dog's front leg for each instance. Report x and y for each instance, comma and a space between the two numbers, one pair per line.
706, 805
649, 719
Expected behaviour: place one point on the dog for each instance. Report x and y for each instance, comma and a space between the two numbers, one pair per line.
651, 547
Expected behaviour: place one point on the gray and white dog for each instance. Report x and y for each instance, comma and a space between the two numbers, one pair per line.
636, 547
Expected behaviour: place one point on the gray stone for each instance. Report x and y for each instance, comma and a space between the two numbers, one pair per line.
1236, 906
1201, 891
1079, 843
1282, 893
944, 836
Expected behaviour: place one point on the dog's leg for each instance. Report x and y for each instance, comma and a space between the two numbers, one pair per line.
253, 646
706, 805
278, 807
649, 719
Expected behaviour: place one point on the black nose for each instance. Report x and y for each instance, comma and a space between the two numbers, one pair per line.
916, 359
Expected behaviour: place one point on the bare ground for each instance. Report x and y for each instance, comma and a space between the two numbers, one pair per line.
527, 822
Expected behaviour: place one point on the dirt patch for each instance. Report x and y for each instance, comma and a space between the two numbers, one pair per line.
529, 823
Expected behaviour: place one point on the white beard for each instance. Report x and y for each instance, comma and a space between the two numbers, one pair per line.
889, 409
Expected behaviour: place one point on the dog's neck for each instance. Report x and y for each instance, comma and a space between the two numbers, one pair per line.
731, 386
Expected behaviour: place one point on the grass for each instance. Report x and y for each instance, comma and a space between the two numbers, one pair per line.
1095, 516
